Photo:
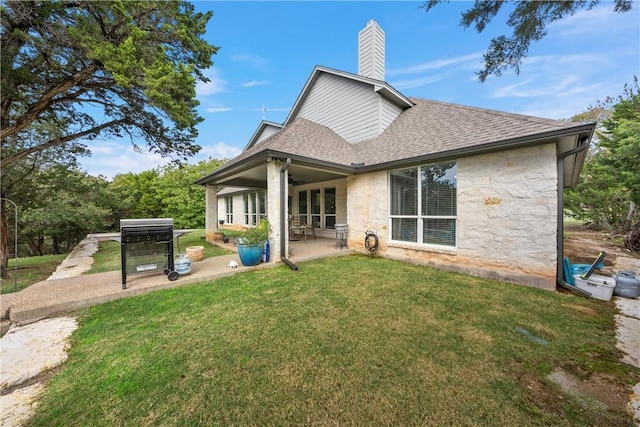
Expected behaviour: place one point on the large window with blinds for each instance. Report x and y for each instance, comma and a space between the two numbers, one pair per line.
423, 204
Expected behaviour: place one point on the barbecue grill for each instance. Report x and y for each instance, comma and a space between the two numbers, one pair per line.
146, 245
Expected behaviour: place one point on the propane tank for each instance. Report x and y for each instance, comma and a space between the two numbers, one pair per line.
627, 285
182, 264
265, 251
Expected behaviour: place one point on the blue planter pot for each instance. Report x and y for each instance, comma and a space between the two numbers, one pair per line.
250, 255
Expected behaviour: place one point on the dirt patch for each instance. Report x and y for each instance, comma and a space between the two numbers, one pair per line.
582, 246
599, 390
581, 309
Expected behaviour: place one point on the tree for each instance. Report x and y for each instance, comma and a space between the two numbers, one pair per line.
620, 143
138, 195
184, 201
110, 68
608, 192
20, 180
54, 216
167, 192
113, 68
529, 20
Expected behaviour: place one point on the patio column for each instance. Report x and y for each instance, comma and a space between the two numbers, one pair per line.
211, 211
273, 206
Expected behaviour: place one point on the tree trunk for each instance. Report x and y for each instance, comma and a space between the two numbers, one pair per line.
36, 245
4, 241
628, 222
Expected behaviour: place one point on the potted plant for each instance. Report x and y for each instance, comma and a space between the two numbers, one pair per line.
251, 243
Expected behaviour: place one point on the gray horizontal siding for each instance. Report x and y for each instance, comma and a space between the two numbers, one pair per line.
349, 108
388, 113
267, 132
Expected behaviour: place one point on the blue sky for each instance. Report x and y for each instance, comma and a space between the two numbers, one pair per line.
269, 49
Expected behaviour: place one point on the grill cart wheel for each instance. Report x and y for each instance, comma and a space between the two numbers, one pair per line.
173, 275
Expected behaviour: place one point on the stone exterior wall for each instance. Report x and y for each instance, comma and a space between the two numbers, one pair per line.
507, 214
368, 208
506, 218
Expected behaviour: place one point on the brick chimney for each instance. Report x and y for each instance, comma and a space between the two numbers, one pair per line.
371, 51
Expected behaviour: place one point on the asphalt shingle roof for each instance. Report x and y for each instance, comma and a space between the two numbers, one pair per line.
432, 127
429, 128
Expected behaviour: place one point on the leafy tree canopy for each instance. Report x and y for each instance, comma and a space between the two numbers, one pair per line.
112, 68
529, 21
608, 192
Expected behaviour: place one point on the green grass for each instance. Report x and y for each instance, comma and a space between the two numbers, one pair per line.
30, 270
108, 256
344, 341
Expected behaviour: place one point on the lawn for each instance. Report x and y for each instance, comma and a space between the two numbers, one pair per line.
30, 270
344, 341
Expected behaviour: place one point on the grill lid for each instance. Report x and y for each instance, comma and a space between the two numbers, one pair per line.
145, 222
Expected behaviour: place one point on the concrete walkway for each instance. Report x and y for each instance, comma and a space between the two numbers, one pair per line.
67, 288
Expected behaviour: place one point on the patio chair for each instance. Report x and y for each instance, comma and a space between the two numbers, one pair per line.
297, 230
308, 227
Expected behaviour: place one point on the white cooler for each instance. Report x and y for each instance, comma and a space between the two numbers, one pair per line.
600, 287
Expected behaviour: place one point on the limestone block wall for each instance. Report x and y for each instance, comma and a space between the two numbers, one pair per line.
507, 214
273, 208
506, 217
368, 207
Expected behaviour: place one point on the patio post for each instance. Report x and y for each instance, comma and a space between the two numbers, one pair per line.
211, 211
273, 207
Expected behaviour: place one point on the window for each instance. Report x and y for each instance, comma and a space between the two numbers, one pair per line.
318, 204
302, 202
423, 204
255, 207
228, 209
315, 208
329, 208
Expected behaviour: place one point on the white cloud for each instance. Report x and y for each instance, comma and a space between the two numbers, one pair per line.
590, 22
217, 109
219, 150
573, 60
215, 85
110, 158
421, 81
466, 61
535, 87
255, 83
255, 61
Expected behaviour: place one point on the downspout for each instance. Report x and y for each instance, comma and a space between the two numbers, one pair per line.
283, 212
560, 246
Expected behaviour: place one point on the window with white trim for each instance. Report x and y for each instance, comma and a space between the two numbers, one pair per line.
228, 209
255, 207
322, 207
423, 204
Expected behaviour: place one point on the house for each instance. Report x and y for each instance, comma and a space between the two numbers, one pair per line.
452, 186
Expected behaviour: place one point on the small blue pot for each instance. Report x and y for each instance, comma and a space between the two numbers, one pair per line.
250, 255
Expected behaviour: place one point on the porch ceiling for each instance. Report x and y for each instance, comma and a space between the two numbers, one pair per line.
299, 174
